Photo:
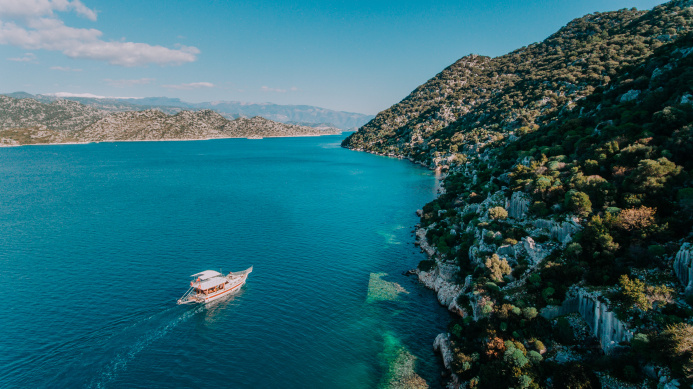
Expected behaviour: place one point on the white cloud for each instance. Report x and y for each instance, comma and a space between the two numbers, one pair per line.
268, 89
124, 83
192, 85
68, 94
33, 8
28, 57
32, 25
88, 95
65, 69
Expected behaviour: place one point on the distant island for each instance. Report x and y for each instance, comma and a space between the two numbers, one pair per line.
28, 121
304, 115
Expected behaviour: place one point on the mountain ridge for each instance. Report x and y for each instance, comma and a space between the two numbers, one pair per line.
315, 116
27, 121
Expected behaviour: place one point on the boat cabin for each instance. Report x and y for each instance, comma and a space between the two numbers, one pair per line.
208, 281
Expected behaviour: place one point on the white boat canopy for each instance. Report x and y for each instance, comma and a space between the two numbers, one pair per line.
207, 274
210, 283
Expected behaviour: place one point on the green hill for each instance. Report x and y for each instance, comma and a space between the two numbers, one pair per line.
562, 238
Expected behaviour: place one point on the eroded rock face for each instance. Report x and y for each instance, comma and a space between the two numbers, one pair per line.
518, 205
683, 267
604, 325
603, 322
423, 242
534, 251
442, 280
443, 346
561, 231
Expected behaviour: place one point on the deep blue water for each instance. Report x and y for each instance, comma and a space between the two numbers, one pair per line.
97, 242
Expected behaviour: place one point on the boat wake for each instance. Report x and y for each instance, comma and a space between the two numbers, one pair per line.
120, 361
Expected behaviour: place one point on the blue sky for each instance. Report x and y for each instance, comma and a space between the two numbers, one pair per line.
359, 56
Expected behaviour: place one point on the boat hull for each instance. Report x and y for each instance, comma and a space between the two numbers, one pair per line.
224, 292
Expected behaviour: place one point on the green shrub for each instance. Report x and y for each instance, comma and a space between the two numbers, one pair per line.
656, 250
529, 313
514, 357
492, 287
534, 357
498, 213
575, 376
426, 265
539, 345
524, 381
564, 332
633, 293
578, 202
497, 267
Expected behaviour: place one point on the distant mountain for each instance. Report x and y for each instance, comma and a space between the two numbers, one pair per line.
27, 121
304, 114
290, 113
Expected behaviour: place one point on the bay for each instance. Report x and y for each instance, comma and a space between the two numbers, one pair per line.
98, 241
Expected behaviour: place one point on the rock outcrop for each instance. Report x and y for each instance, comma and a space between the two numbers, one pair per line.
518, 205
443, 346
442, 280
683, 267
602, 322
561, 231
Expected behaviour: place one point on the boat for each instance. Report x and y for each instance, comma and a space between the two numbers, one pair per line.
211, 285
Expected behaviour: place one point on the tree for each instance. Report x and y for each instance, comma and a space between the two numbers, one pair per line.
633, 292
498, 213
651, 176
498, 267
578, 202
636, 218
676, 344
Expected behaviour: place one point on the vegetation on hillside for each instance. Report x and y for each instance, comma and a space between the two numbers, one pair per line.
27, 121
569, 179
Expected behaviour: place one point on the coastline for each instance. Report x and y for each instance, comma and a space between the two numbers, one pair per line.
440, 282
164, 140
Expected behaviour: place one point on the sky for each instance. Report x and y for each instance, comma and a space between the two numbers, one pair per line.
355, 56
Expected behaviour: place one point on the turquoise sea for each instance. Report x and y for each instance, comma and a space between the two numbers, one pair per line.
97, 242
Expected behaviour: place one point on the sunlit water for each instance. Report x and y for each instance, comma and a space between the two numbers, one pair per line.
97, 242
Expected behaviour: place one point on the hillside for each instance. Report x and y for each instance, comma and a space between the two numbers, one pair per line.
59, 115
156, 125
305, 114
562, 239
480, 99
27, 121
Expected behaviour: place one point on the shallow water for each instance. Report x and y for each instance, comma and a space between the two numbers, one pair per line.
97, 242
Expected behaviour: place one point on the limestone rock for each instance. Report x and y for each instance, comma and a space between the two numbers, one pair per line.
443, 346
535, 252
561, 231
518, 205
630, 95
602, 322
683, 266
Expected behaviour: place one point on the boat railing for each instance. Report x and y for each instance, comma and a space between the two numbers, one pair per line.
242, 273
188, 297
